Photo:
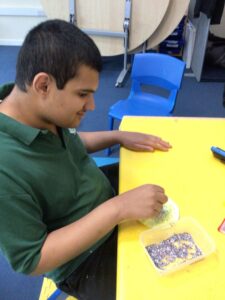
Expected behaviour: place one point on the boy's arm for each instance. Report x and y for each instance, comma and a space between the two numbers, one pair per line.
67, 242
95, 141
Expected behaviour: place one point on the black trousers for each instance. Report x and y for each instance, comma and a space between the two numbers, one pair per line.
112, 173
95, 278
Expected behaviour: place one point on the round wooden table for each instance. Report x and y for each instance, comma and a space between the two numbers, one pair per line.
174, 14
108, 15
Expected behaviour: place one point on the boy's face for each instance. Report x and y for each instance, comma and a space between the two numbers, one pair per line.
67, 107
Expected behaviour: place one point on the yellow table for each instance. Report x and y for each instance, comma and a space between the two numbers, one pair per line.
195, 180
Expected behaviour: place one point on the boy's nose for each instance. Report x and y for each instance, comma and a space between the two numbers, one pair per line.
90, 103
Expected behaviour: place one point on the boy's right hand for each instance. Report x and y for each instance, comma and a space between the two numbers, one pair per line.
142, 202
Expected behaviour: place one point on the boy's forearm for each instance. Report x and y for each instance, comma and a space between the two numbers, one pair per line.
99, 140
68, 242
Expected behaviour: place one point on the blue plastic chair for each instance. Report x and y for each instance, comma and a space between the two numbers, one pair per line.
156, 70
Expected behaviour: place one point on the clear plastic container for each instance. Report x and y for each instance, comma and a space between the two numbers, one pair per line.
176, 246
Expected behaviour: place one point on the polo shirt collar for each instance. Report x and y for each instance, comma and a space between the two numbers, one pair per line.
23, 133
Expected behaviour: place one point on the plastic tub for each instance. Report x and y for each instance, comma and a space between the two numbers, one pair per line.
176, 246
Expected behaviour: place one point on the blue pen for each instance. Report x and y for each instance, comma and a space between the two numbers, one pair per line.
218, 152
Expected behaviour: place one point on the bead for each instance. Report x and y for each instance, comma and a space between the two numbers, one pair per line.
175, 250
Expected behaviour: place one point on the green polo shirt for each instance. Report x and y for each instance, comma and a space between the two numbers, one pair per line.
46, 182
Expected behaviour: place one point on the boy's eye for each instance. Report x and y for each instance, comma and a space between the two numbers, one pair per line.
83, 95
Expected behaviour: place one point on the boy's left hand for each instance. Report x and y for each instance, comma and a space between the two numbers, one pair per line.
142, 142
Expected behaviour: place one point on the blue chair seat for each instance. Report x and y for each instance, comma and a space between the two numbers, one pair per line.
143, 104
105, 161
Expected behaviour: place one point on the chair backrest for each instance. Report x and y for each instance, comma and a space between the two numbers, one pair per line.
157, 69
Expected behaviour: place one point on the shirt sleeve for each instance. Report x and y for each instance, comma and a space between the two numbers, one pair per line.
22, 231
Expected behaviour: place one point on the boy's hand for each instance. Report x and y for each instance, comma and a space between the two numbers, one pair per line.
142, 142
140, 203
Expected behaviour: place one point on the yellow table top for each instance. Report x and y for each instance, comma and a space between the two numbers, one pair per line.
194, 179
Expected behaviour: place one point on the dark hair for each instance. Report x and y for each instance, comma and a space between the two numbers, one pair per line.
58, 48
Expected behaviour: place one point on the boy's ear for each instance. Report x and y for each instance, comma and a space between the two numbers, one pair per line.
41, 83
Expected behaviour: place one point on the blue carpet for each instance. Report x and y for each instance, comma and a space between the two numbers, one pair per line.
200, 99
14, 286
196, 99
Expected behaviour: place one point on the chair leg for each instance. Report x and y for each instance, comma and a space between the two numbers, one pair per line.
54, 295
108, 151
58, 295
111, 123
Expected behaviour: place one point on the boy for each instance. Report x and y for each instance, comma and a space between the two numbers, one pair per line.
58, 212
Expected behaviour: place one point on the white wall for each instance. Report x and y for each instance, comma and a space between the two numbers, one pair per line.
17, 17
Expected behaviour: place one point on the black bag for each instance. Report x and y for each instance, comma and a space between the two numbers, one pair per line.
215, 51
